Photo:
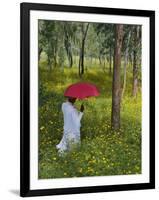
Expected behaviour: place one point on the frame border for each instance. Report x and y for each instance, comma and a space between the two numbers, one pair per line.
25, 9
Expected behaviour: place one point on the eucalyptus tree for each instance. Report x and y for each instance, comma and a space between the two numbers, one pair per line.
126, 49
105, 33
91, 45
84, 29
49, 41
131, 54
136, 57
116, 90
69, 29
41, 37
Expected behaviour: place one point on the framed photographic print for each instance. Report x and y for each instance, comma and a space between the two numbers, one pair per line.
87, 99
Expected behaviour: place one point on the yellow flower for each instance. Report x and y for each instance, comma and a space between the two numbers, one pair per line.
42, 127
65, 173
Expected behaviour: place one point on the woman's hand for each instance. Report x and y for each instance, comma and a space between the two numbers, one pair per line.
82, 108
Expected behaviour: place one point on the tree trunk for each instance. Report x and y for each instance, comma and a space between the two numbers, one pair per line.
110, 60
82, 58
84, 34
39, 53
100, 62
79, 65
125, 66
104, 63
135, 76
71, 59
55, 56
49, 63
135, 68
69, 53
115, 120
55, 60
68, 47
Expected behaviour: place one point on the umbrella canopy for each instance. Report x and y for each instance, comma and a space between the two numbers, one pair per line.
81, 90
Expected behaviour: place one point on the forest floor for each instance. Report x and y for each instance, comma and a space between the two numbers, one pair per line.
103, 151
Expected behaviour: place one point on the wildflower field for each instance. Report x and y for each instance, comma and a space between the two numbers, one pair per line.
103, 152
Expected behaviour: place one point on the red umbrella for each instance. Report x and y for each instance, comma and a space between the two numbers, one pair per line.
81, 90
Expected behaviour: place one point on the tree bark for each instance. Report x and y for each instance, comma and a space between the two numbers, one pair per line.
135, 67
115, 118
100, 61
55, 56
81, 58
125, 66
49, 63
135, 75
39, 53
79, 64
68, 47
110, 59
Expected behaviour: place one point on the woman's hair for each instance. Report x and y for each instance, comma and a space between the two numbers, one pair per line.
72, 99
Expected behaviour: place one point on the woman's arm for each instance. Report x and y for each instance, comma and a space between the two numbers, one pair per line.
76, 116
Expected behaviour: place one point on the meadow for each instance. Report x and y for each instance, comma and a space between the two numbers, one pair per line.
103, 151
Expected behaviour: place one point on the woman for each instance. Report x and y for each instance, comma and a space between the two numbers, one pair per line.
71, 129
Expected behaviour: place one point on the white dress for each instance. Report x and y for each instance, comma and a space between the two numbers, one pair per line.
71, 129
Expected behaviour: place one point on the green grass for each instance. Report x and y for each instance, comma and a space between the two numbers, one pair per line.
103, 151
